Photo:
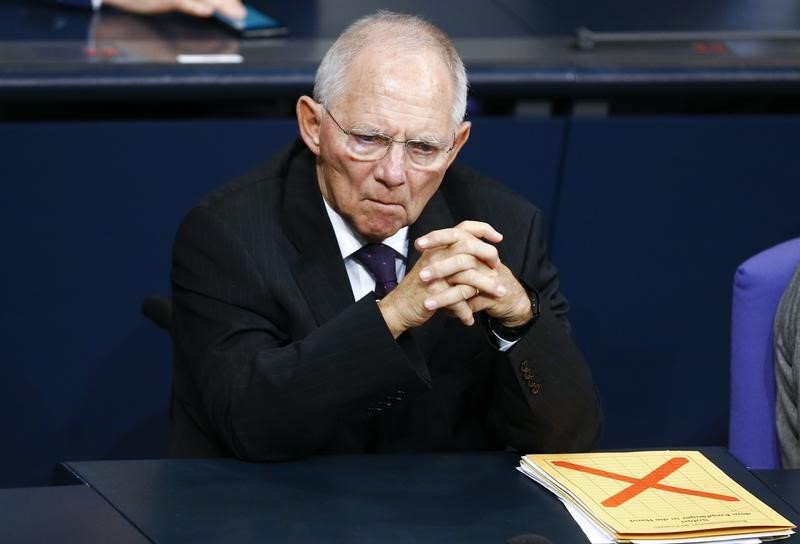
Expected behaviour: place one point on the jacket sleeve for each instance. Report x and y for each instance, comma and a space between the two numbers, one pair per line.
545, 398
266, 390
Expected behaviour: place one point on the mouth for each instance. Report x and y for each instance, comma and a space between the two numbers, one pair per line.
383, 203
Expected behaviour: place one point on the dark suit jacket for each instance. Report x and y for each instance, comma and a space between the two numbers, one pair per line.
274, 358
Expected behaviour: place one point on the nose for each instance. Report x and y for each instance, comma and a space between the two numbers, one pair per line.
390, 169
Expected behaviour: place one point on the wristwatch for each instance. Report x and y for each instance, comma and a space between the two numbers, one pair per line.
512, 334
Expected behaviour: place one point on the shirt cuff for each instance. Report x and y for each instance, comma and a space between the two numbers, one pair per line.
501, 343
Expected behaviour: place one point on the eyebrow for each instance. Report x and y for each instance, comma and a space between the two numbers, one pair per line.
430, 140
371, 130
367, 129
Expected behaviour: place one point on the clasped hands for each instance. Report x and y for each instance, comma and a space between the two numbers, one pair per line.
459, 272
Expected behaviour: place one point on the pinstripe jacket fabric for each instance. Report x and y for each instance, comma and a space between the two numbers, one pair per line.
274, 359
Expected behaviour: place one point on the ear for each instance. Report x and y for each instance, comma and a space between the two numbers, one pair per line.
461, 137
309, 120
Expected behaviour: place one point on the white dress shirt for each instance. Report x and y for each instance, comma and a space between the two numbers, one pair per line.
361, 281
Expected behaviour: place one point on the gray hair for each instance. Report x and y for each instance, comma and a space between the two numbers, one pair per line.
395, 30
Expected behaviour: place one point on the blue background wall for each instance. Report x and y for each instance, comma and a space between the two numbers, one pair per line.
649, 218
654, 217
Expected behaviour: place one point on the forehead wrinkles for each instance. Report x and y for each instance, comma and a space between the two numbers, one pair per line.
410, 84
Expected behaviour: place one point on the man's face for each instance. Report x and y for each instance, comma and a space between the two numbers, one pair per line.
401, 95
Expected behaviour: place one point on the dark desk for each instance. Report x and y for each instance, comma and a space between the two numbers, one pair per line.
784, 483
387, 498
65, 514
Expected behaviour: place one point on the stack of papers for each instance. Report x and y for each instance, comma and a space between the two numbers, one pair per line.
655, 497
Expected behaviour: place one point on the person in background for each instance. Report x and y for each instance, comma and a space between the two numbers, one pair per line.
363, 293
199, 8
787, 373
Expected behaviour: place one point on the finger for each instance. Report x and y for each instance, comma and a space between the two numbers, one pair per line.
464, 269
451, 296
479, 249
198, 8
446, 237
481, 278
442, 268
489, 285
462, 311
143, 7
233, 9
480, 229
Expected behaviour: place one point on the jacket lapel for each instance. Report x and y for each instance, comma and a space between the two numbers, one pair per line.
318, 269
436, 215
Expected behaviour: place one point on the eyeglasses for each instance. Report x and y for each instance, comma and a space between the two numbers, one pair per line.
373, 146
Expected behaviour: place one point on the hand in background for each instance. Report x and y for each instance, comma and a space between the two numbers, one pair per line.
199, 8
154, 39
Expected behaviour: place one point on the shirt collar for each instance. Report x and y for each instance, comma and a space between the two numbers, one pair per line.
349, 241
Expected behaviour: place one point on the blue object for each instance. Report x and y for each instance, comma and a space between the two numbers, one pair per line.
758, 285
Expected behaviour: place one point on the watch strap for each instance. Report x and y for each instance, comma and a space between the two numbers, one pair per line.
512, 334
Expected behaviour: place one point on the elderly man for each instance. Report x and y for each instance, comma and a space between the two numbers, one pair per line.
363, 293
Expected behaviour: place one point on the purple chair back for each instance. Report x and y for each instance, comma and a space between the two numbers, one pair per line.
757, 288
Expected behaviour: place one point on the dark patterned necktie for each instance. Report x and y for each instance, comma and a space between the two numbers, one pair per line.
379, 260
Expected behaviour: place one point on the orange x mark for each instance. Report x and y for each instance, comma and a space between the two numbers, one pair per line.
651, 481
